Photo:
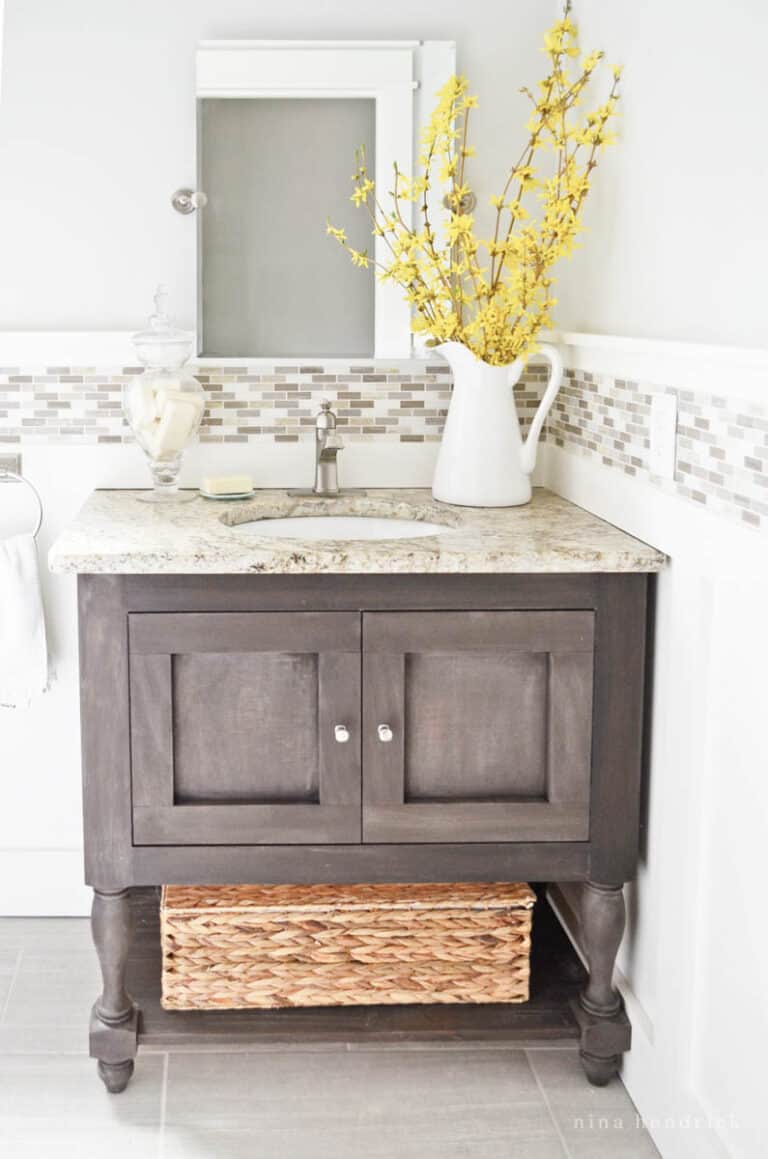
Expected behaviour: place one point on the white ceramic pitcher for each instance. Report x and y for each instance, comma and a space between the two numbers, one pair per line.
483, 460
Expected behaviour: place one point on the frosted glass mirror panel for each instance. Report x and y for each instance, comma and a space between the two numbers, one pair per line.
272, 282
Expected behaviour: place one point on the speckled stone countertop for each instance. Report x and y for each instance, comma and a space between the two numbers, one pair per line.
117, 533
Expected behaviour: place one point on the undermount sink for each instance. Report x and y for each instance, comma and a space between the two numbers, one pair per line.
339, 527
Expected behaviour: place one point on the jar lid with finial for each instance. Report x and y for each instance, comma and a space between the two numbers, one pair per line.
161, 345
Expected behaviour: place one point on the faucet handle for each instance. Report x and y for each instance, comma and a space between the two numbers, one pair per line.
326, 419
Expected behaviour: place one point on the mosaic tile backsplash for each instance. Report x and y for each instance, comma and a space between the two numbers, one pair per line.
406, 402
722, 449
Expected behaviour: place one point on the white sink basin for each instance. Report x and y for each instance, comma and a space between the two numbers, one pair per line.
317, 527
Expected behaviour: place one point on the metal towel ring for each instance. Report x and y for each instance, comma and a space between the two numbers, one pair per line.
5, 474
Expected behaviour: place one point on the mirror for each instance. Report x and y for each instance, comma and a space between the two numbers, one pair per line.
274, 171
278, 126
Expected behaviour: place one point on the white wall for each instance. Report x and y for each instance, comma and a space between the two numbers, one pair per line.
676, 249
97, 130
692, 964
677, 245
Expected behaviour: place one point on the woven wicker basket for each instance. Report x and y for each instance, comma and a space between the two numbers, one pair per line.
239, 947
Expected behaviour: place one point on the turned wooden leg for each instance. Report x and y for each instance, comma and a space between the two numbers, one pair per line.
605, 1030
114, 1018
602, 921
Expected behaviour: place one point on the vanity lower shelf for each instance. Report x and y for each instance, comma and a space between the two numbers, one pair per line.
557, 976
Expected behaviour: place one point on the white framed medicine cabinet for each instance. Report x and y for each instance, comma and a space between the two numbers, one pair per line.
278, 123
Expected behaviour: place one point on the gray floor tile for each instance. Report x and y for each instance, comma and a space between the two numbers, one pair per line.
457, 1044
347, 1142
262, 1089
59, 1102
594, 1121
562, 1077
108, 1144
416, 1105
9, 960
626, 1145
577, 1121
45, 1038
53, 988
49, 934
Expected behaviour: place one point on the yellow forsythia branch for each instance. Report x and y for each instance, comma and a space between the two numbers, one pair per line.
493, 294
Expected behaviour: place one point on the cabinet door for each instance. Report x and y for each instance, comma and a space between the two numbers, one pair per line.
234, 728
477, 726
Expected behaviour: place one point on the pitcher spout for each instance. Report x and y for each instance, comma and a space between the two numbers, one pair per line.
465, 364
458, 356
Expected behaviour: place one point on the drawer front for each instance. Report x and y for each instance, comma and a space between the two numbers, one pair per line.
233, 728
477, 726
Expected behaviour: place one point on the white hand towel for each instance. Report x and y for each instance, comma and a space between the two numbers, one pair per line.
23, 651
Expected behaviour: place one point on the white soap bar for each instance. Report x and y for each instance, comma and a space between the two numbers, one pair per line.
178, 421
227, 484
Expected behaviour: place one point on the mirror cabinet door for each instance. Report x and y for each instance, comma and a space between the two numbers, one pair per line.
279, 123
272, 281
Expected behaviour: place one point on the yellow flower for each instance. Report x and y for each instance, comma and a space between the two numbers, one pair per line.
495, 294
361, 191
459, 225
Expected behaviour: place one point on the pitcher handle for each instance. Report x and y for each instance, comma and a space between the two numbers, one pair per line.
528, 456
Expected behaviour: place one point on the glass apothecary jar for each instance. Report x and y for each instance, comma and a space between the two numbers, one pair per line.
164, 406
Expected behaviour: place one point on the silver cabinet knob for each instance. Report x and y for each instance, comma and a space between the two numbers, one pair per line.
341, 732
188, 200
385, 733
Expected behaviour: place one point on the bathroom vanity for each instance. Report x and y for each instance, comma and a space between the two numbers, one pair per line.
461, 706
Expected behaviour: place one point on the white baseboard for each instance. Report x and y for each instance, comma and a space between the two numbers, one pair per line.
43, 883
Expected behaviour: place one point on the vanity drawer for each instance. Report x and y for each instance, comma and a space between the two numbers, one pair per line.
477, 726
233, 728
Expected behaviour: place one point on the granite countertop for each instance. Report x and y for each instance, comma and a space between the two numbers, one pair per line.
117, 533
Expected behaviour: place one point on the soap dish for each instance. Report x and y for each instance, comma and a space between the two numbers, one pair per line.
228, 495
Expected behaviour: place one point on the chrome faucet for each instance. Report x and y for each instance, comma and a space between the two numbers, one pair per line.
327, 446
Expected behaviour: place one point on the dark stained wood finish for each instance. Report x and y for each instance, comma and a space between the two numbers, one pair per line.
276, 864
250, 632
244, 824
491, 715
618, 730
114, 1019
459, 740
246, 727
215, 612
232, 727
478, 632
262, 593
105, 730
602, 924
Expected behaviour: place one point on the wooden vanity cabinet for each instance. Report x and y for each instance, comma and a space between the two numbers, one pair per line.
359, 728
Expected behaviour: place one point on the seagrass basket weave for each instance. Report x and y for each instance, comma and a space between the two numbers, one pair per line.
248, 946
